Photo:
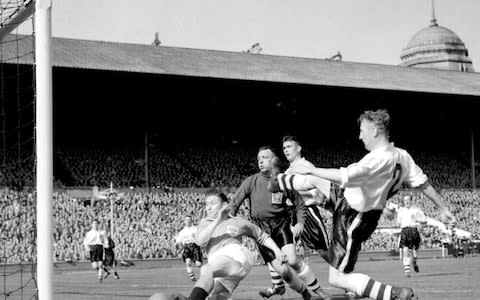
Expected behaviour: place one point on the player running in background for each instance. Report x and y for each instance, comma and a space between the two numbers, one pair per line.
191, 251
368, 184
229, 261
270, 212
409, 217
94, 242
110, 262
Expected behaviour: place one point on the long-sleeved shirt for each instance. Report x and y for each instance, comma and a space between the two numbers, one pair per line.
264, 204
311, 196
229, 231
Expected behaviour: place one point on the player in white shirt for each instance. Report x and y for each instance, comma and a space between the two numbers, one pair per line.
94, 242
409, 217
191, 251
368, 184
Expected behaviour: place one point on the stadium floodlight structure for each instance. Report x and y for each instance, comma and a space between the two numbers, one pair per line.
13, 13
111, 195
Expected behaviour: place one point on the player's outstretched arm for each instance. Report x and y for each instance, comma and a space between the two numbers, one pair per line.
445, 215
349, 176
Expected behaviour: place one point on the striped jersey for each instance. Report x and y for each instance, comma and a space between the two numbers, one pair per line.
387, 168
311, 197
229, 231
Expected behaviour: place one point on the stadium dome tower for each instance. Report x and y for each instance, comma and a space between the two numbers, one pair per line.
436, 47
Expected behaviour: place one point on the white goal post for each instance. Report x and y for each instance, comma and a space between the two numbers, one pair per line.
44, 148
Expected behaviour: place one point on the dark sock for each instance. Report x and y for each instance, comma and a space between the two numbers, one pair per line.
198, 294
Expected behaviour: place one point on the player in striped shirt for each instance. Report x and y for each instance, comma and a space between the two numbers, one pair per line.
368, 184
229, 261
191, 251
314, 235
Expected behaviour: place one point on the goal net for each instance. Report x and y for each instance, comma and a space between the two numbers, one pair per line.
18, 193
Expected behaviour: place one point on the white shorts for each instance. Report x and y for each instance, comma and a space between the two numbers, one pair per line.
239, 253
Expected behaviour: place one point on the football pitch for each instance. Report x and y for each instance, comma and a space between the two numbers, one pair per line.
439, 279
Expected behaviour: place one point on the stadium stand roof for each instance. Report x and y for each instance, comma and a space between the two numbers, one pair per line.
99, 55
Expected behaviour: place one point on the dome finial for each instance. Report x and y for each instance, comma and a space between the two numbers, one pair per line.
433, 21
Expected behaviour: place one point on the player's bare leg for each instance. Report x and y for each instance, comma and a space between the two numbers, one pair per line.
98, 266
188, 265
303, 270
222, 266
219, 292
292, 279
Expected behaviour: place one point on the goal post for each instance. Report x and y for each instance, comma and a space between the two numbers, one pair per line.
44, 148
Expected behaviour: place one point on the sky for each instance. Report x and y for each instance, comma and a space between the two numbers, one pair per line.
371, 31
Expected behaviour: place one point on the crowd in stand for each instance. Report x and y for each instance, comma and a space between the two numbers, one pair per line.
145, 224
201, 166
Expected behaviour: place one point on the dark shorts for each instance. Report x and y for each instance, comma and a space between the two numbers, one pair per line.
279, 230
410, 238
314, 235
350, 229
109, 258
96, 253
192, 251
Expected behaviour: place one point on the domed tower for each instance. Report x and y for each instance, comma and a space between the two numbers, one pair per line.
436, 47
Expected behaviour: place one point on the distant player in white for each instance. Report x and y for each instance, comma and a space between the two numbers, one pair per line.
368, 184
410, 217
191, 251
94, 242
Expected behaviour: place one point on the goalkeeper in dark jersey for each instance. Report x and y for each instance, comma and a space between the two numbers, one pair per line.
270, 212
109, 262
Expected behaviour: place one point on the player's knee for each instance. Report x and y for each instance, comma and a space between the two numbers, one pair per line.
295, 263
206, 271
283, 270
334, 277
198, 263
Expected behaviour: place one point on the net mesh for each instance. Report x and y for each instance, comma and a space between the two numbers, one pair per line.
17, 152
